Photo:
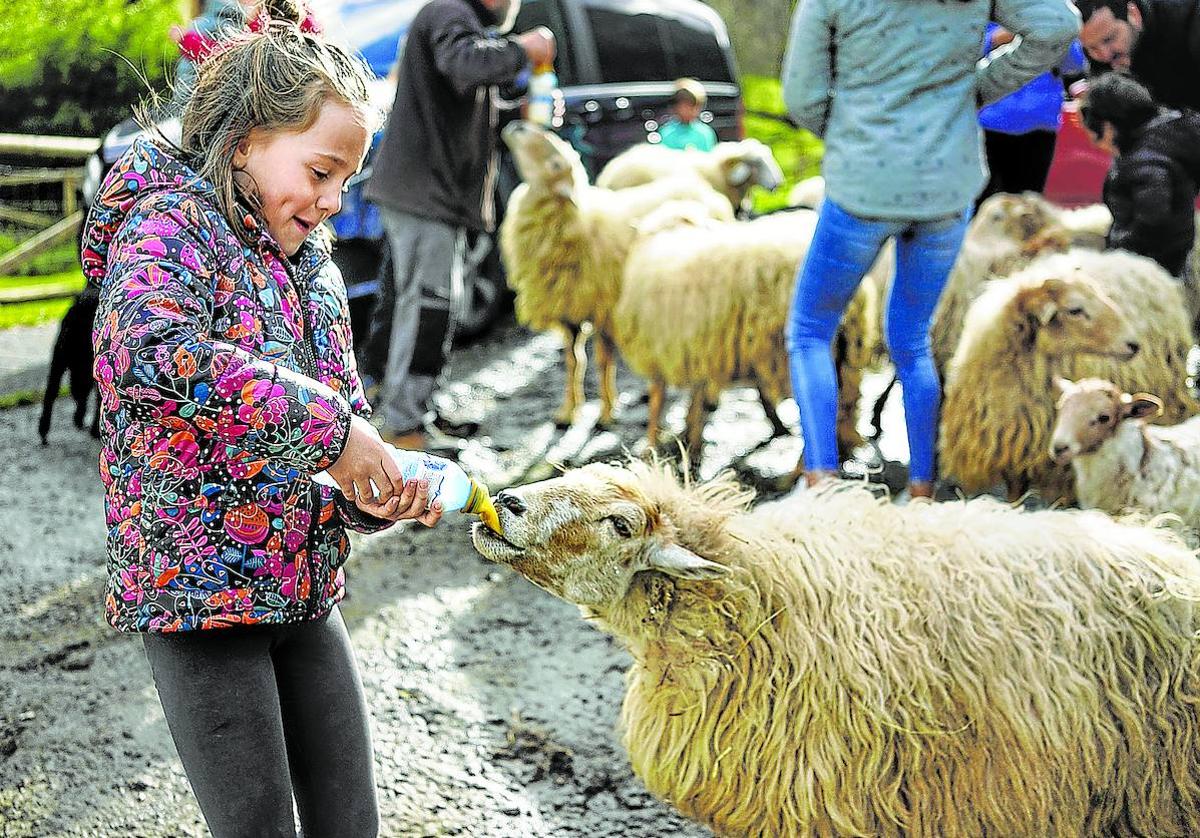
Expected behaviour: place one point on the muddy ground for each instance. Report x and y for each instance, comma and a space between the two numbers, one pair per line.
493, 705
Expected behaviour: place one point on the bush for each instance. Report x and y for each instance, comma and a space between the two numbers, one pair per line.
76, 67
798, 151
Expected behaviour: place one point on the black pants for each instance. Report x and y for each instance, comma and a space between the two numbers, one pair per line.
1018, 162
264, 712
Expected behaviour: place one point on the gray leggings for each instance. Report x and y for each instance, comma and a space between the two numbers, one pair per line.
264, 712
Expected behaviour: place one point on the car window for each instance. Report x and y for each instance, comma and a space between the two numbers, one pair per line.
695, 51
629, 46
542, 13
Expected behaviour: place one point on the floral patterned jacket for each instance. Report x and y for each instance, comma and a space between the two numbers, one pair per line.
226, 378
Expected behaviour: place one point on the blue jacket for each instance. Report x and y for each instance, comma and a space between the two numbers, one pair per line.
894, 88
1038, 105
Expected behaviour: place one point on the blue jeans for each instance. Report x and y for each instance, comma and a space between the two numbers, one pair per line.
843, 248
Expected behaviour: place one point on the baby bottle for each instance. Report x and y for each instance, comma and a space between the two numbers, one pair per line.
540, 105
448, 483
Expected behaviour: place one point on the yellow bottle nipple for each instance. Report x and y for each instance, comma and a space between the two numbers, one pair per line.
479, 503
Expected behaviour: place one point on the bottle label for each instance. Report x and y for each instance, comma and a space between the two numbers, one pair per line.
427, 469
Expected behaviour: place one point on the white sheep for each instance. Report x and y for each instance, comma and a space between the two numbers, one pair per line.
564, 244
837, 665
1119, 461
725, 288
998, 404
731, 168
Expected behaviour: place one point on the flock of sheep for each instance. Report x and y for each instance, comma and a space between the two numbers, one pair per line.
833, 663
652, 263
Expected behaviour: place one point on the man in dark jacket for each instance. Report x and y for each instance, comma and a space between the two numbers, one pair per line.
1156, 41
434, 178
1151, 187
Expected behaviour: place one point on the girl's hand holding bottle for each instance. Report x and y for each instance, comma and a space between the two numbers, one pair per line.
366, 460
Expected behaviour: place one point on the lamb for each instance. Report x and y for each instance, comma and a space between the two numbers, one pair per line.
725, 289
997, 409
732, 168
1119, 461
564, 244
837, 665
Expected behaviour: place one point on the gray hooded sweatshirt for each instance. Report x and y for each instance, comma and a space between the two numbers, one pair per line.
894, 88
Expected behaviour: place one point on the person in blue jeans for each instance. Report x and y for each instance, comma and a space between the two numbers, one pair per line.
893, 87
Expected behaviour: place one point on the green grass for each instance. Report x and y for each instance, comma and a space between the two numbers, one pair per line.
41, 311
33, 314
797, 151
58, 259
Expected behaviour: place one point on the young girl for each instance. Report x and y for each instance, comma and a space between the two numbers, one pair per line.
227, 379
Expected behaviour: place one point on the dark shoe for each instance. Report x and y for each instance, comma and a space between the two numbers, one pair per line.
449, 427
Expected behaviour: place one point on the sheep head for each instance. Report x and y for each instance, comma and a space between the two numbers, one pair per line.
748, 163
584, 536
545, 161
1064, 314
1089, 413
1027, 220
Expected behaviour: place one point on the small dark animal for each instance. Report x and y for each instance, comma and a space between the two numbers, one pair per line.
73, 353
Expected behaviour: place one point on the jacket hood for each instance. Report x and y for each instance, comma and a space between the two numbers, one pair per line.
146, 168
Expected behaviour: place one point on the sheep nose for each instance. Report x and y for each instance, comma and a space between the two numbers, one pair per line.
511, 502
1059, 450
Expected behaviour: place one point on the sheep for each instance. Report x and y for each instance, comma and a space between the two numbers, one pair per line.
725, 288
732, 168
1119, 461
997, 409
564, 244
1152, 301
1007, 233
833, 664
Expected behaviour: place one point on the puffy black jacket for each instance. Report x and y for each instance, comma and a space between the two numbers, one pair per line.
438, 155
1151, 190
1167, 56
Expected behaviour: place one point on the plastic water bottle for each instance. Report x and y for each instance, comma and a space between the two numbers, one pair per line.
540, 99
448, 483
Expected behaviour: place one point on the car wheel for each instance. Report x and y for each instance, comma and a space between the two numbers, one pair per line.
485, 289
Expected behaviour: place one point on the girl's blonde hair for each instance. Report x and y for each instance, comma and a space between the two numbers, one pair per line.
276, 79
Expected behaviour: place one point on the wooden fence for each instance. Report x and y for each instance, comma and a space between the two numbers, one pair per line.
50, 230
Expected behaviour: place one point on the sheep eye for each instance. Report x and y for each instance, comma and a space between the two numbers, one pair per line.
621, 526
1078, 311
1103, 418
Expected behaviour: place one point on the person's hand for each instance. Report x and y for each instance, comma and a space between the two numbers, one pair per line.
408, 505
366, 459
538, 44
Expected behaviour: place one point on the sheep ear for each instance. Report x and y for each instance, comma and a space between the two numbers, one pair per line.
740, 173
1044, 310
681, 563
1141, 406
1063, 386
768, 174
565, 188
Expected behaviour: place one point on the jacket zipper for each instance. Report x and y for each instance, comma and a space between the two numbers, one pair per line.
307, 360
